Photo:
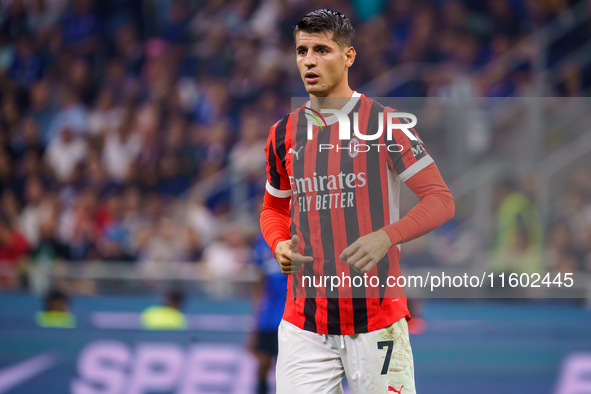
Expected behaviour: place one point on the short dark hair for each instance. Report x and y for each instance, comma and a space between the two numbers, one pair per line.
175, 297
52, 296
327, 21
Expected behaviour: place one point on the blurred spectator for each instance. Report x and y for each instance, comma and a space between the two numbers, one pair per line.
567, 246
10, 208
518, 244
228, 255
27, 65
117, 80
212, 149
134, 217
122, 147
13, 248
64, 153
503, 19
559, 241
6, 51
81, 27
570, 81
586, 252
245, 157
167, 242
116, 241
104, 116
8, 181
80, 81
166, 317
172, 181
35, 212
49, 247
10, 116
28, 140
77, 225
32, 166
56, 311
576, 211
129, 49
97, 178
72, 115
204, 224
13, 245
42, 108
14, 24
560, 251
43, 15
176, 29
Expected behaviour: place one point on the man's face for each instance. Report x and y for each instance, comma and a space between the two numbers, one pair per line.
321, 62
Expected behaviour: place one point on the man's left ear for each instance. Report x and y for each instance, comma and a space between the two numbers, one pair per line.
350, 54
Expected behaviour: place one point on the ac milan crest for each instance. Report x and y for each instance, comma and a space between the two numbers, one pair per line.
353, 147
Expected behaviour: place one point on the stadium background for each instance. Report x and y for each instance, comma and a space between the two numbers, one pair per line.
131, 162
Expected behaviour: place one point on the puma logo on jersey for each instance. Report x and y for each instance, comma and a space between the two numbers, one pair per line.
390, 388
296, 153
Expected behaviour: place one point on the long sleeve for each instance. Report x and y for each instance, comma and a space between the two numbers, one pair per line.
436, 206
275, 220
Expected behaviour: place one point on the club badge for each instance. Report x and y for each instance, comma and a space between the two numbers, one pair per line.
353, 147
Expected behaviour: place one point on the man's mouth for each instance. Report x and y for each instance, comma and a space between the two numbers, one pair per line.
311, 77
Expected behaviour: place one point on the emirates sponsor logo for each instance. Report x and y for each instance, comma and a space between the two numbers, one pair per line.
321, 183
333, 191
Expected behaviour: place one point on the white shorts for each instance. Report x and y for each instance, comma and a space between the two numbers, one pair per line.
375, 362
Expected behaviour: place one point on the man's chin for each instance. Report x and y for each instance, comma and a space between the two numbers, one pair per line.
317, 90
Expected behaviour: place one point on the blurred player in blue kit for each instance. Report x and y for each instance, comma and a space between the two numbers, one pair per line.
269, 309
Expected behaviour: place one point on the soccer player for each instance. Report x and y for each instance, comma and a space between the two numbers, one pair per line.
270, 308
330, 212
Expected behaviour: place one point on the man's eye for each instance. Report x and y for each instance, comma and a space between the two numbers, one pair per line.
322, 51
301, 52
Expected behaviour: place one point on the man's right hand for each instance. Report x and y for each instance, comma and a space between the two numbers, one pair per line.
290, 261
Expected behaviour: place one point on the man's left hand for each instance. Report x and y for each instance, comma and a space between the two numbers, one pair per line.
364, 253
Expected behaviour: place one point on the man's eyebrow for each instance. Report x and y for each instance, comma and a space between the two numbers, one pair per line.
316, 47
321, 46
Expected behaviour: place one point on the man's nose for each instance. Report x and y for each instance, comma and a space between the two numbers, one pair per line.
310, 59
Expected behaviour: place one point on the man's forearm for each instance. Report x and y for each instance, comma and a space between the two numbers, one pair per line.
436, 206
275, 220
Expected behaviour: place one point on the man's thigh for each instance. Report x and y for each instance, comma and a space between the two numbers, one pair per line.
380, 361
307, 362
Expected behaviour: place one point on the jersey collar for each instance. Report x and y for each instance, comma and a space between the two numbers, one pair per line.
347, 108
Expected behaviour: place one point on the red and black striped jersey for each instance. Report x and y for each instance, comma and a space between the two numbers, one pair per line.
341, 190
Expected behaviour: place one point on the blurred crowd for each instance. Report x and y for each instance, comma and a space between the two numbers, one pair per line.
112, 111
568, 242
523, 245
518, 240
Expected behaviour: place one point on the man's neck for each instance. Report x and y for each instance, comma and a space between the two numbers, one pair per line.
334, 100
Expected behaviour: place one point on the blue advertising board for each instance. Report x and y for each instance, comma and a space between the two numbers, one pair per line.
468, 347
